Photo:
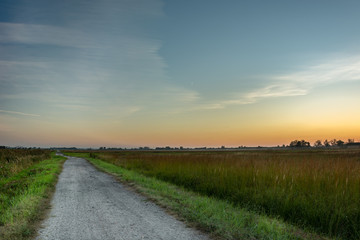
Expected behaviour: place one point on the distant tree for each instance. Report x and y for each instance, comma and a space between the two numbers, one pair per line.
326, 143
294, 143
333, 142
318, 143
297, 143
305, 143
350, 140
340, 143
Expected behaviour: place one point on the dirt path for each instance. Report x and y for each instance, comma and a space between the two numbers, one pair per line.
89, 204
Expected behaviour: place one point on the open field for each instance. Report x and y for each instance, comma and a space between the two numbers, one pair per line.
315, 189
219, 218
26, 179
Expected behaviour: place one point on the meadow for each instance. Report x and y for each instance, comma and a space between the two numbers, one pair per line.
316, 189
27, 177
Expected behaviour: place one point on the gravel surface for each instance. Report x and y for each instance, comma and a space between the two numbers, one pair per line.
89, 204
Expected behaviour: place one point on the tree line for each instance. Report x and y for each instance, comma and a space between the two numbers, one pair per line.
318, 143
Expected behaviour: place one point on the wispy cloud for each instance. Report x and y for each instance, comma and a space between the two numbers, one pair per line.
296, 84
275, 90
302, 82
9, 64
96, 56
179, 94
43, 34
344, 69
20, 113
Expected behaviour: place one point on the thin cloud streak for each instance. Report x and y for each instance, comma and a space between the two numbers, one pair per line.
43, 34
20, 113
296, 84
180, 95
347, 69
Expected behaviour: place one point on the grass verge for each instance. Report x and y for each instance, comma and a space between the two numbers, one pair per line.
219, 218
24, 196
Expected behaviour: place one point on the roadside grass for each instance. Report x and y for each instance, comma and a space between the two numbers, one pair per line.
220, 218
13, 161
23, 196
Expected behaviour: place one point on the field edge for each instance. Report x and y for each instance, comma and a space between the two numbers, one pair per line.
218, 218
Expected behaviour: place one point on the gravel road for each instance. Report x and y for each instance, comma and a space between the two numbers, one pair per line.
89, 204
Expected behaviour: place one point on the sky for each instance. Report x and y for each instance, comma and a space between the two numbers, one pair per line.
131, 73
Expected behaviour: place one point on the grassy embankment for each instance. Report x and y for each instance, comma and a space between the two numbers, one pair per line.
217, 215
26, 180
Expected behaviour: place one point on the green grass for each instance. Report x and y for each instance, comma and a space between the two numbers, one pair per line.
220, 218
22, 195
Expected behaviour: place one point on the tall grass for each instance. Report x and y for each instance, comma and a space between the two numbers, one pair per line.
317, 189
13, 161
15, 176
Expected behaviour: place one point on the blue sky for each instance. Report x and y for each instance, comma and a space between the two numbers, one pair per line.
192, 73
206, 43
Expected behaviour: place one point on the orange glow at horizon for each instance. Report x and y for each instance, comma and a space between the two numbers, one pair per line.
268, 123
